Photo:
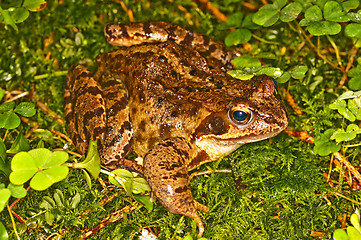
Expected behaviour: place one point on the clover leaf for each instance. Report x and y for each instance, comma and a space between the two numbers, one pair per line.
4, 197
8, 117
341, 135
40, 165
323, 145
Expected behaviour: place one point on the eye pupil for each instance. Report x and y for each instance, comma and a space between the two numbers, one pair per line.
239, 115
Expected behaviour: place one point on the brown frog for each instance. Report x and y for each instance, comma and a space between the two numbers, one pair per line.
166, 96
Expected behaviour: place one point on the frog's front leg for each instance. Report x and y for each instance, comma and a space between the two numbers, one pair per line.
165, 168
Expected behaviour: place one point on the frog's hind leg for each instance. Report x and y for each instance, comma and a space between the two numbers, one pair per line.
165, 168
118, 138
83, 107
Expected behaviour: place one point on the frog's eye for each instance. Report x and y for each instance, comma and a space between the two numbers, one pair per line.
240, 116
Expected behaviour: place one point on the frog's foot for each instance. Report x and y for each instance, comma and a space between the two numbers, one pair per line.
165, 168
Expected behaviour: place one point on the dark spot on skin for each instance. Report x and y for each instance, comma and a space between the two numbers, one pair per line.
123, 31
162, 58
146, 29
91, 90
118, 106
218, 84
109, 32
174, 114
216, 125
181, 189
212, 48
202, 156
141, 126
175, 75
229, 65
159, 102
193, 72
125, 127
206, 41
189, 89
210, 68
69, 117
211, 78
95, 113
188, 39
127, 147
99, 130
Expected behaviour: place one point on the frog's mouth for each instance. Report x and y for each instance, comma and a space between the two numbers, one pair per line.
219, 145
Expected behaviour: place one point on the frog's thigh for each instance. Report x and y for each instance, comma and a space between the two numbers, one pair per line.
84, 107
118, 134
167, 174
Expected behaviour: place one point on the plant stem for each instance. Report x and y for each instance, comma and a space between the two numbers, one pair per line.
13, 222
304, 36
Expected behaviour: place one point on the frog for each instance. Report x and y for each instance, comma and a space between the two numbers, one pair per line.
165, 95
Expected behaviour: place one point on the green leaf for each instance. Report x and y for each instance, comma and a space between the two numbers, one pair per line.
238, 36
17, 191
123, 178
352, 4
18, 14
239, 74
278, 4
270, 71
333, 11
323, 145
26, 109
266, 17
44, 179
9, 120
324, 28
140, 185
246, 62
248, 22
355, 108
6, 107
75, 201
312, 14
340, 234
8, 20
92, 160
3, 233
290, 12
33, 5
340, 106
4, 197
20, 144
23, 168
349, 94
233, 21
353, 30
355, 220
2, 93
354, 72
284, 77
145, 201
59, 198
356, 17
340, 135
5, 168
353, 234
41, 165
299, 72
